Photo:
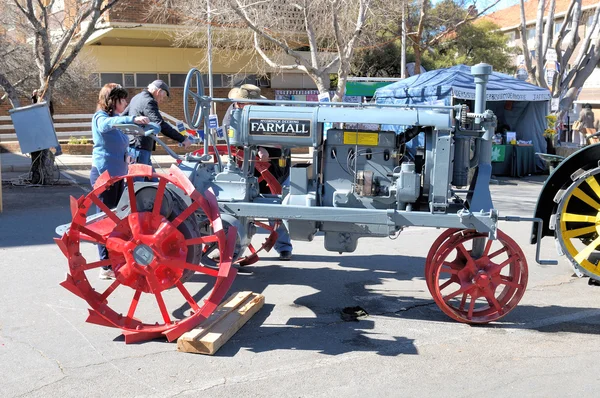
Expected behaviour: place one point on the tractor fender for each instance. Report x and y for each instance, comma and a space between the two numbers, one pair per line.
585, 158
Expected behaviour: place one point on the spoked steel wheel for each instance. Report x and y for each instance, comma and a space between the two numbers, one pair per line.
478, 290
432, 254
152, 250
193, 91
577, 224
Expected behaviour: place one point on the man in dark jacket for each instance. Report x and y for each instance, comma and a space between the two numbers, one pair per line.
146, 104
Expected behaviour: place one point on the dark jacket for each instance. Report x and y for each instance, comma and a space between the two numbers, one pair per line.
144, 104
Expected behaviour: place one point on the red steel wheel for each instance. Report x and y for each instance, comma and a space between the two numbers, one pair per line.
150, 251
274, 187
435, 246
478, 290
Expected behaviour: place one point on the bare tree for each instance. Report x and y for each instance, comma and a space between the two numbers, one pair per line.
574, 66
16, 65
430, 28
316, 37
54, 38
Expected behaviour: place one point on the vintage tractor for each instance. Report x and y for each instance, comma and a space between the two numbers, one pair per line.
180, 240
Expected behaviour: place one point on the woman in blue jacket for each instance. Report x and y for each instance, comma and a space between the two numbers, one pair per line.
110, 149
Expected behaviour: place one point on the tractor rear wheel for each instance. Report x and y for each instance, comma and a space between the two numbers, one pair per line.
577, 222
154, 245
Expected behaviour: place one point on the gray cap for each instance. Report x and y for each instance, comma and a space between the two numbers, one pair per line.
162, 85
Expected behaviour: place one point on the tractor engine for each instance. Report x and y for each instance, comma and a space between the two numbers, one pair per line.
367, 169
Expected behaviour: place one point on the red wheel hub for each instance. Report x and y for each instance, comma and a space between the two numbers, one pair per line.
146, 242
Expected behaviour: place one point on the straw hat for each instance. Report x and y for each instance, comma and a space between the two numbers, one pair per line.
242, 93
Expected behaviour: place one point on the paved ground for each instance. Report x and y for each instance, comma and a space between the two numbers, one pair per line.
297, 345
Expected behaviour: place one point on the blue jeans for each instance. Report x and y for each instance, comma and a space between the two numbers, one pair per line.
141, 156
283, 242
110, 198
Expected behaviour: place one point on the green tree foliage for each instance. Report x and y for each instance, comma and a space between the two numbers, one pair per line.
447, 40
381, 61
473, 43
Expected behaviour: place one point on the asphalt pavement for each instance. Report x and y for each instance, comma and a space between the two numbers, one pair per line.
298, 345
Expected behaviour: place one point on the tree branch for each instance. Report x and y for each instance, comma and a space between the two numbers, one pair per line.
312, 40
539, 55
524, 45
269, 61
10, 91
237, 8
70, 33
61, 67
467, 19
585, 47
549, 27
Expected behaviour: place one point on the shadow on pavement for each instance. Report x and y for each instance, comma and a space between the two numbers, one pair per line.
31, 214
356, 283
361, 282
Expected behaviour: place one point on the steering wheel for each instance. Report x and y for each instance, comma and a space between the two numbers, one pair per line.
193, 81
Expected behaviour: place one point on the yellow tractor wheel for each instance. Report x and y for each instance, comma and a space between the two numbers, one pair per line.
577, 222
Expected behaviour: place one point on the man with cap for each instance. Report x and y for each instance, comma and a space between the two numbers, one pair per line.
146, 104
283, 245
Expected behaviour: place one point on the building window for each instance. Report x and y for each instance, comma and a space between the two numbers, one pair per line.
227, 80
164, 77
557, 26
263, 81
510, 38
144, 79
177, 79
129, 80
530, 34
106, 78
217, 80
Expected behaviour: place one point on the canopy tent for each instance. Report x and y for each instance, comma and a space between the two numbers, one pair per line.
520, 105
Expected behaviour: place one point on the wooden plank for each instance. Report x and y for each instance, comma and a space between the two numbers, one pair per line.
75, 116
71, 116
56, 125
227, 319
60, 134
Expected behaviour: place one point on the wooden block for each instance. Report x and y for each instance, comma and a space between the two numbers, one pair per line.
223, 323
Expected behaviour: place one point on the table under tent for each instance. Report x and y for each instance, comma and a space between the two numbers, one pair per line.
519, 106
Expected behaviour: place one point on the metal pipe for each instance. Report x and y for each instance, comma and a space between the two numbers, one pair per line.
540, 224
481, 73
332, 104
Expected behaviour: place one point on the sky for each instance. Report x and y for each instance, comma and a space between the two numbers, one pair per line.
502, 4
481, 4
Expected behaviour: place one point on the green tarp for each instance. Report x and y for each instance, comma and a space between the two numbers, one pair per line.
365, 89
